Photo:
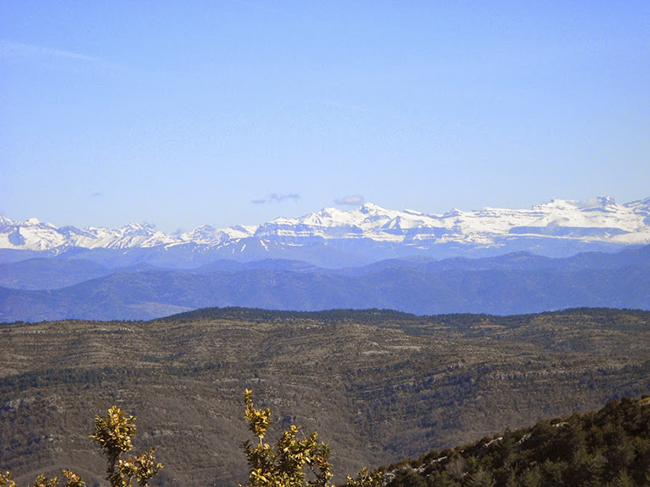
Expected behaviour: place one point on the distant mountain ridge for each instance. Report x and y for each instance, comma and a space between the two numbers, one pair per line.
338, 238
562, 254
51, 289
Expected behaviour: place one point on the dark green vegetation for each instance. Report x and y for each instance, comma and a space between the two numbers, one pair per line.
53, 289
377, 386
608, 448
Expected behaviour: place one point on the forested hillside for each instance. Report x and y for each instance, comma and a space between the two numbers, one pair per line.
378, 386
609, 448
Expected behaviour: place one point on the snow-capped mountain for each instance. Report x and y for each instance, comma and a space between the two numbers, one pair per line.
599, 218
33, 234
560, 227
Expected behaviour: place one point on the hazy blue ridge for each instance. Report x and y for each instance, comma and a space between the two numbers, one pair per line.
513, 284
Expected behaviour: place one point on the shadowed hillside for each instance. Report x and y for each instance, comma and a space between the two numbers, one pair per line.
609, 447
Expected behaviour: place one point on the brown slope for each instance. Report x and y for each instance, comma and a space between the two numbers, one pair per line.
377, 391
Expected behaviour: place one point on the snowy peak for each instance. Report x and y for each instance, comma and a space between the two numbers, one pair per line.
209, 235
31, 234
598, 219
601, 203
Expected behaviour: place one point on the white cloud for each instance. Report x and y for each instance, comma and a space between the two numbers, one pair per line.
276, 198
351, 200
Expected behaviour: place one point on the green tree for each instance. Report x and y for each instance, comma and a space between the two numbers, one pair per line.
480, 478
365, 479
5, 480
622, 480
285, 463
114, 433
407, 477
72, 480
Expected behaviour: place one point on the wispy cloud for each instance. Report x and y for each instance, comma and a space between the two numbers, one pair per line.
21, 51
351, 200
276, 198
17, 49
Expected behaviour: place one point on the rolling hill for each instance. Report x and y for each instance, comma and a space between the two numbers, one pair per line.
379, 386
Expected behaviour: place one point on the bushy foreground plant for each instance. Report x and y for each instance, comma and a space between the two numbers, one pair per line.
286, 464
113, 433
72, 480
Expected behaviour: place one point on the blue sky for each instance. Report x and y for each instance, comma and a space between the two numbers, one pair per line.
237, 112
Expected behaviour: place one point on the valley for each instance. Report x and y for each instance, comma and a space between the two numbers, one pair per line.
379, 386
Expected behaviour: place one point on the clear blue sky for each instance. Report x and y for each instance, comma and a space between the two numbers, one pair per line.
181, 113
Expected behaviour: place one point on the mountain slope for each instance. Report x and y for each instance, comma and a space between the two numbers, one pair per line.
378, 386
49, 273
515, 283
336, 238
609, 447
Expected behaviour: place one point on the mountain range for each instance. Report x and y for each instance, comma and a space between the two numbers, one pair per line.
337, 238
52, 289
491, 261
